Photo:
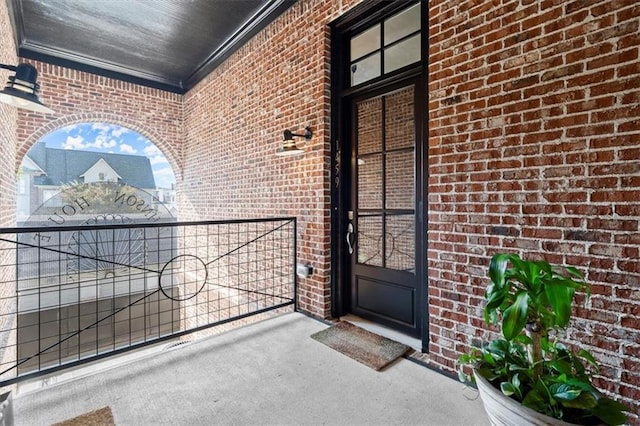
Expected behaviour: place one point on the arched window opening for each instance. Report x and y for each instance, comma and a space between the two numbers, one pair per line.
93, 160
102, 176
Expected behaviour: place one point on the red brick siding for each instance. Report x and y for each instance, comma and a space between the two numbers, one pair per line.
234, 121
78, 97
8, 119
534, 148
533, 124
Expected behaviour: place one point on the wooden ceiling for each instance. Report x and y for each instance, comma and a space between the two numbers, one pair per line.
166, 44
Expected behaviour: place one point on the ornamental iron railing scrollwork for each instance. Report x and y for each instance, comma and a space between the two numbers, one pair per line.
75, 294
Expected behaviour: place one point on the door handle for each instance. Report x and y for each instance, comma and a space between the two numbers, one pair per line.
349, 238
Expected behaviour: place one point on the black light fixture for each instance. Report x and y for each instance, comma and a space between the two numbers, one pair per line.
289, 146
22, 89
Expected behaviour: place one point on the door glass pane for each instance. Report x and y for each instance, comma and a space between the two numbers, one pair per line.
402, 24
370, 182
370, 126
399, 122
365, 42
369, 240
366, 69
399, 180
404, 53
400, 243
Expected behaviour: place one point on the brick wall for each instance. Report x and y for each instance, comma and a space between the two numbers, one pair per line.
223, 155
8, 118
234, 121
534, 121
79, 97
535, 148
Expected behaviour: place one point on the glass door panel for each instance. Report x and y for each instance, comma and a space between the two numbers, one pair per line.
385, 170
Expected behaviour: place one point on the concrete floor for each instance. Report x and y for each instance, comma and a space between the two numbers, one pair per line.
271, 372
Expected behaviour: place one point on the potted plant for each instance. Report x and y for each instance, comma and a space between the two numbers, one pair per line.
528, 373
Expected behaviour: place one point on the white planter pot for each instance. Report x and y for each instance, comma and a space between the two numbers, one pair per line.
504, 411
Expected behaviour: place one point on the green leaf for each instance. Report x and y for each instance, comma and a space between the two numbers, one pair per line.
542, 388
561, 366
497, 268
515, 380
584, 401
498, 347
586, 355
524, 339
494, 301
564, 392
487, 373
488, 359
575, 272
507, 388
560, 298
610, 411
585, 385
535, 401
515, 316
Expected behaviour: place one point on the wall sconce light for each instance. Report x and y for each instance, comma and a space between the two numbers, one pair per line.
289, 146
22, 89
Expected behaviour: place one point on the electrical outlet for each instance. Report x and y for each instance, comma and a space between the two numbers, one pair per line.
304, 271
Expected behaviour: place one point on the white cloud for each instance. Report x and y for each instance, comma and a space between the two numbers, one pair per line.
109, 130
127, 148
117, 131
72, 142
102, 141
163, 172
158, 159
101, 127
70, 128
151, 150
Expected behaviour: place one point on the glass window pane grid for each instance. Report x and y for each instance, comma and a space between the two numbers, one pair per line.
401, 54
366, 69
399, 180
401, 40
364, 56
401, 24
394, 245
365, 43
400, 242
370, 240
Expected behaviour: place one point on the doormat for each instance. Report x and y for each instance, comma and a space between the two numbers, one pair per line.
364, 346
99, 417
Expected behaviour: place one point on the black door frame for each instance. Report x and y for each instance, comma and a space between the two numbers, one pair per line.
359, 18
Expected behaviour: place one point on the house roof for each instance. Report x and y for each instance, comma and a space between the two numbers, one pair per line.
65, 165
167, 44
100, 165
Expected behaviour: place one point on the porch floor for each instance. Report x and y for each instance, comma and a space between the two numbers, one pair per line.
271, 372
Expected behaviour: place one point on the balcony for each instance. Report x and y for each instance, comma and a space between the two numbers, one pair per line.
270, 372
147, 319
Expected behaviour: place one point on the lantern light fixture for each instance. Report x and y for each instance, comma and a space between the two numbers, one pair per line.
22, 88
289, 146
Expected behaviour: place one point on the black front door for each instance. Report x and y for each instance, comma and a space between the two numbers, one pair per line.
382, 226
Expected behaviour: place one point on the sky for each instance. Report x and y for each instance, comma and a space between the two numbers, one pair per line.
103, 137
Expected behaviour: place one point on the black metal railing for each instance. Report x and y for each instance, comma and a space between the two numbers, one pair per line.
74, 294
